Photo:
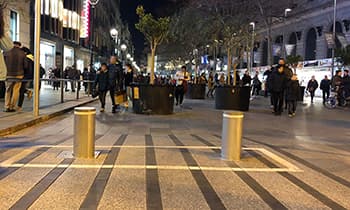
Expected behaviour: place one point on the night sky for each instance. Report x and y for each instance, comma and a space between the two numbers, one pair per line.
128, 15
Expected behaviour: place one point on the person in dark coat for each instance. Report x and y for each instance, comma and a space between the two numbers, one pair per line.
85, 75
16, 62
346, 83
246, 80
129, 79
278, 83
325, 86
102, 85
293, 91
312, 85
256, 85
336, 84
28, 75
116, 80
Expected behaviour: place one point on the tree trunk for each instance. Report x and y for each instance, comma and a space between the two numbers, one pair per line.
229, 64
153, 55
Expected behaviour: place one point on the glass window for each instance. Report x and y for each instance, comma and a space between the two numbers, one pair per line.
54, 8
14, 25
47, 7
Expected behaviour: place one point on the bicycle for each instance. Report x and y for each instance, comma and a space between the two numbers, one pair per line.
331, 102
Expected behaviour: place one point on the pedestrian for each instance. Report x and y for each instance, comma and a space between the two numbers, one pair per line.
336, 84
85, 75
246, 80
129, 79
16, 63
28, 75
293, 91
267, 74
101, 85
278, 84
115, 73
182, 78
202, 79
346, 83
41, 75
325, 86
56, 76
222, 80
211, 85
311, 87
256, 85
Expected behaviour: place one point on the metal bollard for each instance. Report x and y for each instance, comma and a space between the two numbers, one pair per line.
231, 142
84, 132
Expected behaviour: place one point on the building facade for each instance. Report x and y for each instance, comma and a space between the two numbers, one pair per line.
17, 21
305, 31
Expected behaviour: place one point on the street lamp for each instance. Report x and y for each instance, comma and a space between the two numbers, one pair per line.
128, 56
114, 35
284, 35
123, 48
334, 44
93, 4
252, 48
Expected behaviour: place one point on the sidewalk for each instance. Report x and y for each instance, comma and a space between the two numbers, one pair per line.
50, 106
173, 162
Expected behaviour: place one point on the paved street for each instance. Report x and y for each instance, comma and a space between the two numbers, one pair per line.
173, 162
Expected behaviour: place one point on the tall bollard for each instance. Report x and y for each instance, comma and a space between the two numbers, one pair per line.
84, 132
231, 142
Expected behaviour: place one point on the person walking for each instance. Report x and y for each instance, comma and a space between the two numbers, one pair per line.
256, 85
85, 76
211, 85
182, 78
101, 85
311, 87
129, 79
346, 83
16, 63
293, 91
28, 75
336, 85
325, 86
115, 73
278, 82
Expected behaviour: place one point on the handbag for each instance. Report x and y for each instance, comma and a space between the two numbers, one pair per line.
94, 93
120, 97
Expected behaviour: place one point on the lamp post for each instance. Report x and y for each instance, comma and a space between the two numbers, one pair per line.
334, 44
123, 48
128, 56
252, 47
93, 4
37, 58
114, 35
284, 35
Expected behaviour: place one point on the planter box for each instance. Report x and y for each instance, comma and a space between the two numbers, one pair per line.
232, 98
196, 91
153, 99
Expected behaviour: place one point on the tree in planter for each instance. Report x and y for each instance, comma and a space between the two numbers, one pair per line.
155, 30
293, 60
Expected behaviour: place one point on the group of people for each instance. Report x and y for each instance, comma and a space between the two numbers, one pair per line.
19, 65
112, 78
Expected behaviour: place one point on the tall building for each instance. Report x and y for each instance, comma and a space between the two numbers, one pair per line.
66, 30
305, 30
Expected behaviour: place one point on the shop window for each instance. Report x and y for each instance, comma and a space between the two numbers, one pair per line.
14, 25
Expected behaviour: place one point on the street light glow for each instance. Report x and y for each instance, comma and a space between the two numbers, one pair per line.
123, 47
286, 11
114, 33
128, 56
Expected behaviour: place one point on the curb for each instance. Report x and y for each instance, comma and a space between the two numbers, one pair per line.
40, 119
